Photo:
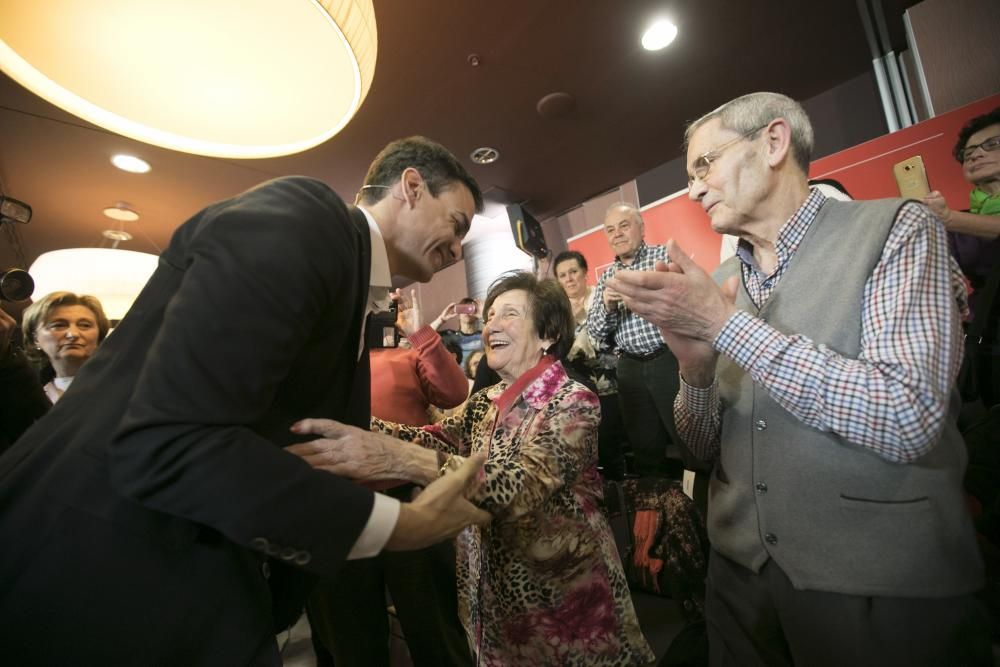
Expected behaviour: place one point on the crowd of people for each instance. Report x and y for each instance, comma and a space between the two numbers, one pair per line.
196, 488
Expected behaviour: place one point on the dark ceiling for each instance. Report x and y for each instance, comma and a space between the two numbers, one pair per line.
630, 110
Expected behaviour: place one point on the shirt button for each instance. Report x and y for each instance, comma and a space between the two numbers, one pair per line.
760, 425
771, 538
761, 488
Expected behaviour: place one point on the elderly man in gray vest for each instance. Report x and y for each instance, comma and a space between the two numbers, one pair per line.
818, 376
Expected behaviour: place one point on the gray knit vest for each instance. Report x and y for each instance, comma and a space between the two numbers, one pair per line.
833, 515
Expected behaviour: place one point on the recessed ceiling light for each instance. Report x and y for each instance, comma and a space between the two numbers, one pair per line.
130, 163
123, 213
117, 235
659, 35
485, 155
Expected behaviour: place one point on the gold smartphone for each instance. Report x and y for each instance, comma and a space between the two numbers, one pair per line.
911, 178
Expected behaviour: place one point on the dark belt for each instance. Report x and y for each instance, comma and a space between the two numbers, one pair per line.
645, 356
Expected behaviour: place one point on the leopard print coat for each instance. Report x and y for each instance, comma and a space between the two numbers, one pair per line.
542, 584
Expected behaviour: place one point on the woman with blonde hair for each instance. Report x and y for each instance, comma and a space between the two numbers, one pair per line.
61, 331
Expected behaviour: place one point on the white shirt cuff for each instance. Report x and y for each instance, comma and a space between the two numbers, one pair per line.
381, 522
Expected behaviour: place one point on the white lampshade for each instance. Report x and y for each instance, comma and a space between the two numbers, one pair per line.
225, 78
489, 250
114, 276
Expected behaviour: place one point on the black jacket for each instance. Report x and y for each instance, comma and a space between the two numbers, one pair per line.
138, 515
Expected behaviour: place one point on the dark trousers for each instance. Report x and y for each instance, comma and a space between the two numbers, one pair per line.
760, 619
611, 437
646, 393
348, 613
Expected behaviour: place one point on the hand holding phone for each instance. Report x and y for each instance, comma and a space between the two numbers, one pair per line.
466, 309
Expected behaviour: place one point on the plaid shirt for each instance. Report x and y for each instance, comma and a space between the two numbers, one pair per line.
631, 333
893, 398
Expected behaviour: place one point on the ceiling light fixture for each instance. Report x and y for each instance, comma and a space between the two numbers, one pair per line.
114, 276
223, 78
131, 164
121, 212
485, 155
659, 35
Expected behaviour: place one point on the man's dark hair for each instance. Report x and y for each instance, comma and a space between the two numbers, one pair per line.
452, 346
973, 126
566, 255
437, 166
466, 299
550, 310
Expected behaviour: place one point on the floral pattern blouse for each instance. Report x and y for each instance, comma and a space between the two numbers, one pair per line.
542, 584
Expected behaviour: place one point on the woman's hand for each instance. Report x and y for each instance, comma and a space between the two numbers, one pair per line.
408, 315
935, 201
440, 512
446, 314
362, 455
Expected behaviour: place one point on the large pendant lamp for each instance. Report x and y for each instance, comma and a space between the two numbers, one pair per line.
114, 276
223, 78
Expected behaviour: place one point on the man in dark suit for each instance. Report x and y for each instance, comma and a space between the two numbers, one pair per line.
152, 517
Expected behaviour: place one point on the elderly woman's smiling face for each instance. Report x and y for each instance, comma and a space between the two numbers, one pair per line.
511, 340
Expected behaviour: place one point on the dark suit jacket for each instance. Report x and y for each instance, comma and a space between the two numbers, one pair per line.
137, 516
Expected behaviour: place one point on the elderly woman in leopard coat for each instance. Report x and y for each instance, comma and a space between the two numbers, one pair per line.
542, 584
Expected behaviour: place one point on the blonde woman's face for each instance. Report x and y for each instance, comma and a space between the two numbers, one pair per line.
69, 334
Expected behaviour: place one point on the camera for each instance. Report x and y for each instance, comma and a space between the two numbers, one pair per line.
466, 309
15, 285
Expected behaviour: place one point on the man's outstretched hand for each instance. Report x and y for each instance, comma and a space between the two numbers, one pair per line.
441, 510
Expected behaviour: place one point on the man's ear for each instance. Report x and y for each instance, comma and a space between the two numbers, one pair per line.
778, 135
411, 183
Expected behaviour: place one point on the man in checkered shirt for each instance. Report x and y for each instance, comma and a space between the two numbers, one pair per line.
647, 370
819, 380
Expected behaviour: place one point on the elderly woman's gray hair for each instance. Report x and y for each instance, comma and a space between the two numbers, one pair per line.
750, 112
551, 312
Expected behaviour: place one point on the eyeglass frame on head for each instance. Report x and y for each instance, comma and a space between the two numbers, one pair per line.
708, 157
994, 144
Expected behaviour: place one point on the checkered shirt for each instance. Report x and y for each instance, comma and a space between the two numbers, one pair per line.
631, 333
892, 399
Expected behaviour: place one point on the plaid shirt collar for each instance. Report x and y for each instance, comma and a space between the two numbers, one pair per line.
789, 236
639, 253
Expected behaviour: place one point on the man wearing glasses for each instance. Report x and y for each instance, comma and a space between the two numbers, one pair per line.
819, 380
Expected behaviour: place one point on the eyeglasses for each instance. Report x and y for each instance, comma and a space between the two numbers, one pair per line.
703, 162
990, 144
